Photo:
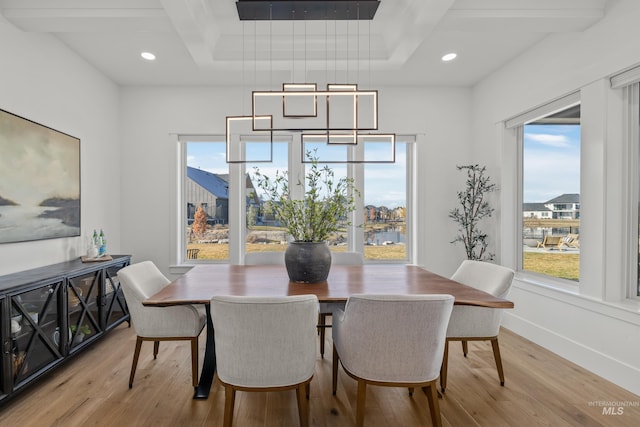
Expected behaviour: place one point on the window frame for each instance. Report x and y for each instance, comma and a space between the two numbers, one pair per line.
631, 137
513, 138
181, 244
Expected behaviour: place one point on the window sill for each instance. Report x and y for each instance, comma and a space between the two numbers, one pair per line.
560, 285
180, 269
557, 289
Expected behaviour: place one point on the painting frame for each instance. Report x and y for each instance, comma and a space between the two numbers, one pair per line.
40, 181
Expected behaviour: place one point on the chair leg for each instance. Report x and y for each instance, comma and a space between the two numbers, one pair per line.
443, 369
156, 346
434, 405
303, 405
411, 391
465, 348
362, 397
229, 402
194, 361
307, 389
334, 373
323, 325
134, 364
496, 356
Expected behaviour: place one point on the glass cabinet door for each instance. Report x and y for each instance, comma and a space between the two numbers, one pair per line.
83, 308
115, 307
35, 342
5, 335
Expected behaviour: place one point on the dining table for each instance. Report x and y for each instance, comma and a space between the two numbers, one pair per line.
205, 281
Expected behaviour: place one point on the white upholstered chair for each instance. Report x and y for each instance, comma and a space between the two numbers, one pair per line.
392, 340
327, 308
478, 323
265, 344
264, 258
139, 282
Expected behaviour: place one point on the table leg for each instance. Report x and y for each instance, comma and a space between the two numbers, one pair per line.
209, 363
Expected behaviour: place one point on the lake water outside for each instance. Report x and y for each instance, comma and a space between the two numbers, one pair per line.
22, 223
392, 235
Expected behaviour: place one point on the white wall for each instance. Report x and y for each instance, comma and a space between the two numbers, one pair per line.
594, 327
152, 116
43, 81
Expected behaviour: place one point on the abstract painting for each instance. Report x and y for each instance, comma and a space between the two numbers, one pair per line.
39, 181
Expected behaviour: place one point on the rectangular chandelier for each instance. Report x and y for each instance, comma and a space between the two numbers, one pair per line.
372, 148
341, 108
240, 128
342, 117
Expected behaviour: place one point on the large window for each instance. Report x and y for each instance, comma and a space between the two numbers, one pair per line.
385, 199
378, 228
205, 194
628, 82
551, 194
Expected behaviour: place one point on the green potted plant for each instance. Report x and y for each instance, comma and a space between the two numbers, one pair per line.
323, 210
80, 333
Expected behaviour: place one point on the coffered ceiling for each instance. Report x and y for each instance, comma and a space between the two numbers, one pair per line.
204, 42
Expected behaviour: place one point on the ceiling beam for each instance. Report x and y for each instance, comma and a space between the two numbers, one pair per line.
88, 20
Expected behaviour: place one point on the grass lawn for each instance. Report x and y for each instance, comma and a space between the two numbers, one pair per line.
557, 264
221, 251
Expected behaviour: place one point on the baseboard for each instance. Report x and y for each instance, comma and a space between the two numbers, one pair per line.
619, 373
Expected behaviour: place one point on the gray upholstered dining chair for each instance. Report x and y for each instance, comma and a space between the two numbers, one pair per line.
264, 258
139, 282
327, 308
374, 345
478, 323
265, 344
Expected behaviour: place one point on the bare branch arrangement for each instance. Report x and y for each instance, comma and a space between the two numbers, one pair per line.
473, 208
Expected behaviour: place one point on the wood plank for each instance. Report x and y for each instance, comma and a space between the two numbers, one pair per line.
541, 389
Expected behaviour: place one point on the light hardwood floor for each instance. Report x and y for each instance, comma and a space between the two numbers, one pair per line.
541, 389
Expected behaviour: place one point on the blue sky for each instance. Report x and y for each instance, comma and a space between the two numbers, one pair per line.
385, 184
551, 164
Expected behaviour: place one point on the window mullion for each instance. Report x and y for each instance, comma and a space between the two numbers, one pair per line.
356, 171
296, 167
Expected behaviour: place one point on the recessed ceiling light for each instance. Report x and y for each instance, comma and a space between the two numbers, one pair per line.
449, 57
148, 56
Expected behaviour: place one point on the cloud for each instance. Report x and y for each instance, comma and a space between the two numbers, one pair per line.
547, 176
550, 140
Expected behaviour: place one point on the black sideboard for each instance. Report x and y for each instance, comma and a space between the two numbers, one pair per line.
48, 314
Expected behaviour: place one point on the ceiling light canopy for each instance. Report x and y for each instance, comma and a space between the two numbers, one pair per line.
252, 10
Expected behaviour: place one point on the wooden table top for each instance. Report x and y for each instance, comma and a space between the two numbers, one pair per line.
205, 281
